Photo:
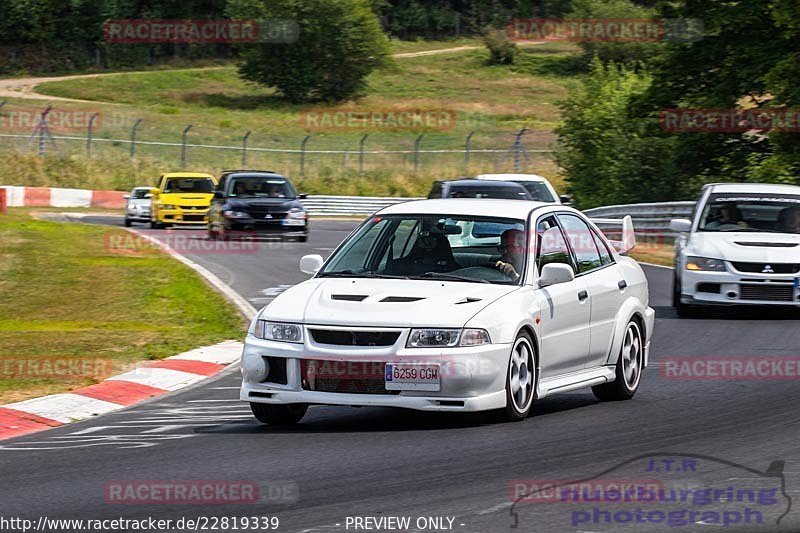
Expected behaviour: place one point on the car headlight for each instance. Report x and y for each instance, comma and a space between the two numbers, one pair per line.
705, 263
167, 206
446, 338
278, 331
475, 337
235, 214
297, 213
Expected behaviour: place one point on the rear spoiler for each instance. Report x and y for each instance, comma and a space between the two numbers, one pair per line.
628, 241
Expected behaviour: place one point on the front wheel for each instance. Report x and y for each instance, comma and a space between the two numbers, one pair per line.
279, 415
127, 222
683, 310
629, 367
520, 380
154, 224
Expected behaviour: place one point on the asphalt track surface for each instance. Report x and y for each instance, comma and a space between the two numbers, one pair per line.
345, 462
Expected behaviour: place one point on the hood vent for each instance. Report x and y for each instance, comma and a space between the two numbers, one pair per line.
468, 300
402, 299
769, 244
349, 297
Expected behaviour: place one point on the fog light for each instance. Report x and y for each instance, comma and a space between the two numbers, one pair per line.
255, 368
732, 295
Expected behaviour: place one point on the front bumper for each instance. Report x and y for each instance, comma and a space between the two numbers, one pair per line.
472, 378
183, 216
271, 227
738, 288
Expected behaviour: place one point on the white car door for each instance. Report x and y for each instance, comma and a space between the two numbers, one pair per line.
603, 281
565, 308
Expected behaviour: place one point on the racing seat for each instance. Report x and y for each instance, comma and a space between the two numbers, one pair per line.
431, 253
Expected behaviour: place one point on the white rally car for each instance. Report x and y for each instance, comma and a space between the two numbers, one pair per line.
403, 315
742, 246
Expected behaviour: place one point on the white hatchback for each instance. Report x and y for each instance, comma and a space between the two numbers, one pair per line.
741, 247
538, 186
408, 313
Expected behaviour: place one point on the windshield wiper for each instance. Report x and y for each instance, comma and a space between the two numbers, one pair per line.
453, 277
352, 274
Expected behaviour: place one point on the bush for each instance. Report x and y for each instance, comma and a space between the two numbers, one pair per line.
502, 50
339, 43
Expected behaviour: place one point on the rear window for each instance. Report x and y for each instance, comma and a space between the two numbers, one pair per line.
472, 191
538, 191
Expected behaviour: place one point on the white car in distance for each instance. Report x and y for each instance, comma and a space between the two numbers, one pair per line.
137, 205
538, 186
403, 315
741, 247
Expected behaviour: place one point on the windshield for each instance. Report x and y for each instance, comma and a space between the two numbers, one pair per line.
443, 247
261, 187
487, 191
538, 191
181, 185
771, 213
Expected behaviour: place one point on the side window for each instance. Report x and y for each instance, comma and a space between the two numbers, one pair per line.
550, 244
221, 184
605, 255
581, 240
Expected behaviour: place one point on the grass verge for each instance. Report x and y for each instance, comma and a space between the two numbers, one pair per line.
657, 253
67, 296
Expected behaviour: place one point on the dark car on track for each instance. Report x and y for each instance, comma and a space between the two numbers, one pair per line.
469, 188
257, 201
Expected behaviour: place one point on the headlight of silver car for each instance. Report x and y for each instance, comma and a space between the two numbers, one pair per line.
705, 263
446, 338
278, 331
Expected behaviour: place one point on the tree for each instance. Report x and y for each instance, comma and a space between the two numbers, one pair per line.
339, 43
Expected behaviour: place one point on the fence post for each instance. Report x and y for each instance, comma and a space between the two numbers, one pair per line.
467, 146
244, 149
303, 155
518, 148
133, 136
43, 130
89, 134
361, 152
183, 145
416, 152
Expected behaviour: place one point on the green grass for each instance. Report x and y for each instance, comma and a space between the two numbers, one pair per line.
494, 101
654, 251
65, 294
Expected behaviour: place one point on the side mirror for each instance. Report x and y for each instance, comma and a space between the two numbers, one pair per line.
126, 196
154, 192
680, 225
219, 195
566, 199
148, 195
310, 264
555, 273
302, 196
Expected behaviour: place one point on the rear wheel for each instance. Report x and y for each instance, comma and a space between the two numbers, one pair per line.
154, 224
127, 222
302, 238
629, 367
520, 379
279, 415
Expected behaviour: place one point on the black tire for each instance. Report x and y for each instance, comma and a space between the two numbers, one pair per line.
279, 415
624, 387
302, 238
518, 405
127, 222
683, 310
155, 225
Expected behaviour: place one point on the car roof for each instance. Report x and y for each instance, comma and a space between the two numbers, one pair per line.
510, 177
466, 206
482, 183
187, 175
754, 188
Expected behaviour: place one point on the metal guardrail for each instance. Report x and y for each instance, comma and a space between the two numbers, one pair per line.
650, 218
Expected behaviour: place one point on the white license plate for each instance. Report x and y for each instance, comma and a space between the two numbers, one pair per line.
412, 376
293, 222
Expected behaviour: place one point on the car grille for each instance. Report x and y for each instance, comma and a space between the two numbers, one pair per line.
351, 377
777, 268
771, 292
354, 338
193, 207
194, 218
260, 213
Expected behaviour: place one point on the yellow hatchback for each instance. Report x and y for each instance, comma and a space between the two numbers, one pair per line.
181, 198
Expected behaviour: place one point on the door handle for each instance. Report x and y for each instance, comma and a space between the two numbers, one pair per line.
622, 284
583, 295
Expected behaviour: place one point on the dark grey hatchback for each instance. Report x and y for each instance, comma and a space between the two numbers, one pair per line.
259, 202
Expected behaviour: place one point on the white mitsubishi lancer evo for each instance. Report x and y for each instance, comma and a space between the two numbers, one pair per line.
454, 305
